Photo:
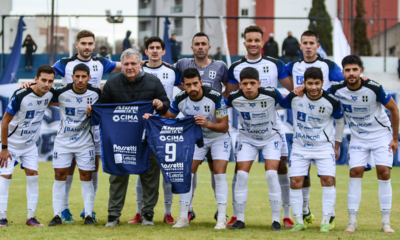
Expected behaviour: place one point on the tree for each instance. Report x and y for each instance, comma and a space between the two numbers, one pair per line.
362, 46
322, 27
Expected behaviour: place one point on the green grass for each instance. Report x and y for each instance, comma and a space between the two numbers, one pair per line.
258, 215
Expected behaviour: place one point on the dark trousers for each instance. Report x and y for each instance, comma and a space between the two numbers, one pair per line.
119, 185
28, 58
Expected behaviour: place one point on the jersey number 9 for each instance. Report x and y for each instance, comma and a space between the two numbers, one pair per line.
170, 151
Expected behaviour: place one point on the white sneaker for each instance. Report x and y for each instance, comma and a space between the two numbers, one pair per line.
221, 224
386, 227
181, 222
351, 227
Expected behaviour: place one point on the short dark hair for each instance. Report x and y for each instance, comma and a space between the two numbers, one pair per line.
249, 72
314, 73
352, 59
103, 47
45, 69
201, 34
154, 39
253, 28
81, 67
84, 33
309, 33
191, 73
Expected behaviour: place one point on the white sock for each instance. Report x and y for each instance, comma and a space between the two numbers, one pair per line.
168, 197
4, 186
274, 194
58, 197
139, 195
385, 199
285, 188
296, 200
194, 186
221, 194
241, 193
234, 204
68, 184
306, 198
88, 197
328, 200
95, 181
354, 198
184, 201
32, 194
213, 182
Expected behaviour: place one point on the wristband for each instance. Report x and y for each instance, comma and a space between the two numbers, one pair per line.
4, 146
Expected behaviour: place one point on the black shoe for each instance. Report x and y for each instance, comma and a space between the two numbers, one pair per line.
89, 221
216, 216
192, 215
331, 220
3, 222
148, 216
55, 221
276, 226
238, 225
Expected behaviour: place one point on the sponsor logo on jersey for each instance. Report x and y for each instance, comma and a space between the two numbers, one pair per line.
242, 105
126, 109
259, 115
300, 105
124, 149
71, 129
257, 138
30, 114
365, 98
36, 123
361, 109
252, 104
125, 118
359, 118
255, 124
257, 131
266, 81
316, 119
347, 108
78, 100
310, 106
68, 120
358, 148
26, 124
310, 137
28, 132
321, 109
265, 69
171, 130
299, 80
196, 108
29, 104
354, 98
308, 145
172, 166
301, 127
245, 115
212, 74
351, 124
207, 108
39, 102
297, 155
263, 104
28, 142
68, 100
95, 69
362, 133
124, 159
301, 116
175, 176
74, 138
39, 113
70, 111
172, 138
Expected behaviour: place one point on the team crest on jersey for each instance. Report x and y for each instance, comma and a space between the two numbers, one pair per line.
55, 155
206, 108
354, 98
196, 108
95, 69
165, 75
78, 100
212, 74
46, 101
89, 100
310, 106
365, 98
265, 68
39, 102
263, 104
321, 109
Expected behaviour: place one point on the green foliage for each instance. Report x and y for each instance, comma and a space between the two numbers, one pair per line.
322, 27
362, 46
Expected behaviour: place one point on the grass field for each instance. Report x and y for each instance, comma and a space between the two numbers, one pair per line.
258, 214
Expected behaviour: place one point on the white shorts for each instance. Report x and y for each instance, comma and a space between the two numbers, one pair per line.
359, 152
220, 149
245, 151
29, 159
299, 163
284, 148
84, 160
97, 141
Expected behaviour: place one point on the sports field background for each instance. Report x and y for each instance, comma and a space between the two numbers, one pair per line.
258, 216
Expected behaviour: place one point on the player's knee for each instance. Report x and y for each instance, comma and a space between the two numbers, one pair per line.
356, 172
242, 178
295, 183
327, 181
384, 174
270, 175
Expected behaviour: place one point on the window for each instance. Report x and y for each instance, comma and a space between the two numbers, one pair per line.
392, 51
143, 3
178, 26
143, 26
178, 7
245, 12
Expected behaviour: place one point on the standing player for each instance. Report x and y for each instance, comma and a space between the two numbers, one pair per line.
98, 66
256, 106
20, 130
270, 71
332, 73
74, 140
371, 133
314, 139
214, 74
208, 106
169, 77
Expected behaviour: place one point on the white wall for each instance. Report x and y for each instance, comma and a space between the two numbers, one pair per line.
244, 23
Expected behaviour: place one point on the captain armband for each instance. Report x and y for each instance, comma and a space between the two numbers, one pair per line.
221, 113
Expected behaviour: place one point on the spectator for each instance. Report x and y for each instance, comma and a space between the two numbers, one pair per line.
290, 48
103, 53
271, 47
126, 44
218, 55
175, 48
143, 47
31, 48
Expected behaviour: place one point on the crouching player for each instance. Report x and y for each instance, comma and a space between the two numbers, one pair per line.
314, 139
